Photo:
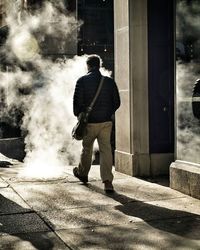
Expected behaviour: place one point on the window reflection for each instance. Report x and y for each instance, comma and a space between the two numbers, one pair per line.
187, 80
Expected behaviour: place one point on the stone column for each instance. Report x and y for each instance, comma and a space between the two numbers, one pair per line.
131, 74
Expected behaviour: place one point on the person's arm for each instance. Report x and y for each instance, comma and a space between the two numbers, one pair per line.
78, 98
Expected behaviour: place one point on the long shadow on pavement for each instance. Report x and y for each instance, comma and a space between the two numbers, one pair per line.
177, 222
22, 223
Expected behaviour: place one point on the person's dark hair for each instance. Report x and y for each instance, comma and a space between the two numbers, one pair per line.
93, 61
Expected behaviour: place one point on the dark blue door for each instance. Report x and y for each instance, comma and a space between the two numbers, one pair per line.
161, 75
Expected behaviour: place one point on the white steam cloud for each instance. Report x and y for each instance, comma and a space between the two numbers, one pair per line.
44, 93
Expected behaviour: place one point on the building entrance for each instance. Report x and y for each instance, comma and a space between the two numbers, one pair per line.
161, 76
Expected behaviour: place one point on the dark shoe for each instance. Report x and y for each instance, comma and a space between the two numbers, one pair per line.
108, 187
83, 179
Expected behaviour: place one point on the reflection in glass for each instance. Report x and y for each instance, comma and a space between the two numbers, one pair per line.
188, 85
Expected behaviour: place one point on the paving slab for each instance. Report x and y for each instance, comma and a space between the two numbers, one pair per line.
186, 204
21, 223
137, 189
75, 205
86, 217
16, 173
110, 215
148, 211
56, 196
32, 241
11, 202
139, 215
136, 236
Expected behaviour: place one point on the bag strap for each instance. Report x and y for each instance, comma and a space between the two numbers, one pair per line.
97, 94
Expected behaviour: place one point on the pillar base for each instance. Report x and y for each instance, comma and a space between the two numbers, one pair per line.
185, 177
132, 164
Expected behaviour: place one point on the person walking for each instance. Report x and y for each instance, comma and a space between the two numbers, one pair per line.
99, 122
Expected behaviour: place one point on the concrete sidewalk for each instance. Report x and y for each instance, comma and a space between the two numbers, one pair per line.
62, 213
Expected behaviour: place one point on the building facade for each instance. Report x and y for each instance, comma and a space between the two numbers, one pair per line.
155, 124
96, 34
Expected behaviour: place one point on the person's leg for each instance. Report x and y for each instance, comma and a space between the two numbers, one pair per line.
87, 150
105, 151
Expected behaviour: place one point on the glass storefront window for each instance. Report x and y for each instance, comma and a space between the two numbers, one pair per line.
187, 83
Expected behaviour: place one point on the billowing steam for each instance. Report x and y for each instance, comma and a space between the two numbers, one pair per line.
42, 89
187, 71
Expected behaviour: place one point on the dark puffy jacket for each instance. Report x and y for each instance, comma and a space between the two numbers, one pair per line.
107, 102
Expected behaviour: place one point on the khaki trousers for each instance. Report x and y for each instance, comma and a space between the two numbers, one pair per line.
101, 132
